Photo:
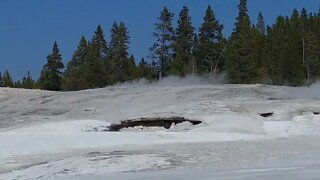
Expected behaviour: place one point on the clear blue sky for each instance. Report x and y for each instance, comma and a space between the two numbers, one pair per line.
29, 28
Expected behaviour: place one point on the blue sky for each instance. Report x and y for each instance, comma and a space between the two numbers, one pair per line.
28, 29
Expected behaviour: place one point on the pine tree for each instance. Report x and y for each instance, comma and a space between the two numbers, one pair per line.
183, 43
27, 81
162, 49
1, 80
261, 24
241, 63
143, 69
195, 54
131, 69
7, 80
292, 64
99, 41
273, 51
311, 46
93, 70
79, 55
284, 51
50, 78
18, 84
119, 46
304, 19
312, 57
72, 79
211, 43
259, 33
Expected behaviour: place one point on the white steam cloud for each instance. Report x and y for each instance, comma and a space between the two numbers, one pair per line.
312, 92
180, 81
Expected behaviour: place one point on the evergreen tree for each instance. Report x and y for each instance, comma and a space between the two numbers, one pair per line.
27, 81
259, 33
273, 51
131, 69
18, 84
312, 56
304, 20
79, 55
182, 63
73, 79
119, 46
292, 64
93, 70
1, 80
241, 53
99, 41
50, 78
7, 80
143, 69
284, 51
311, 46
195, 53
162, 51
261, 24
211, 43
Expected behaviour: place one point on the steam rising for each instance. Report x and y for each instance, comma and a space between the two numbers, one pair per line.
181, 81
312, 92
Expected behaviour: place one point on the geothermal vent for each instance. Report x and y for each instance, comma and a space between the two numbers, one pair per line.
152, 122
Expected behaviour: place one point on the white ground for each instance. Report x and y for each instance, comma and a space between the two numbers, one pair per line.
51, 135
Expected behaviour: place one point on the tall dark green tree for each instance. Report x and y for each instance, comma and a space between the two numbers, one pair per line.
183, 43
311, 46
50, 78
211, 43
284, 51
312, 56
273, 50
242, 66
131, 69
17, 84
144, 70
259, 32
162, 49
27, 81
7, 80
73, 79
261, 26
292, 64
99, 41
1, 80
93, 70
120, 62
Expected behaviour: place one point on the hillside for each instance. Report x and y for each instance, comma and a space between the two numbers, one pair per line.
244, 131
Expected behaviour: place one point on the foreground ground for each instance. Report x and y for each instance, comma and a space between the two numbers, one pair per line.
50, 135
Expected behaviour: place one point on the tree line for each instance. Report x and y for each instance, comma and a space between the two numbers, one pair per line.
286, 53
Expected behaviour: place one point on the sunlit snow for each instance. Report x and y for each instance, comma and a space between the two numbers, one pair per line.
61, 135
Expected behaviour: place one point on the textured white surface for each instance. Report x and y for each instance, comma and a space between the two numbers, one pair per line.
50, 135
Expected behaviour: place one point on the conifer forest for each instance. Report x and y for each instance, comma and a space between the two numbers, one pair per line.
284, 53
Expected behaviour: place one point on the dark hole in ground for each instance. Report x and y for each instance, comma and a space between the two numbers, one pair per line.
278, 98
266, 114
313, 112
151, 122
